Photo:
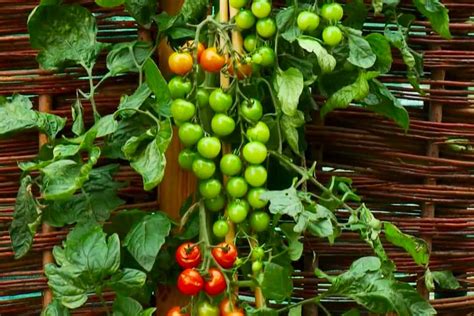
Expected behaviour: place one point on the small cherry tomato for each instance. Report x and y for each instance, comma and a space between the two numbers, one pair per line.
237, 4
230, 164
245, 19
261, 8
255, 152
253, 197
215, 204
259, 221
332, 35
216, 283
209, 147
180, 63
251, 110
182, 110
237, 187
238, 210
266, 27
176, 311
220, 101
200, 50
220, 228
257, 267
179, 87
307, 21
228, 308
259, 133
255, 175
250, 43
211, 60
264, 56
225, 255
332, 12
188, 255
244, 70
257, 254
206, 309
210, 188
190, 282
222, 125
189, 133
186, 158
202, 97
203, 168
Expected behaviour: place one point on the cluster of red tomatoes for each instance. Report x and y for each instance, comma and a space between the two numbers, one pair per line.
308, 21
210, 60
191, 280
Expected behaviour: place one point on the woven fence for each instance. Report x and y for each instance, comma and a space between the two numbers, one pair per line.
420, 180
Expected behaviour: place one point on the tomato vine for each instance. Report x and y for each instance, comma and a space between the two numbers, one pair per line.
244, 142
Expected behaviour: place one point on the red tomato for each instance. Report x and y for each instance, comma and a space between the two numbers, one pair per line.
190, 282
225, 255
228, 308
176, 311
211, 61
216, 284
188, 255
180, 63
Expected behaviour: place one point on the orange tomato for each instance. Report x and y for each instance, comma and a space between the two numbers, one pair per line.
176, 311
243, 70
200, 48
228, 308
211, 60
180, 63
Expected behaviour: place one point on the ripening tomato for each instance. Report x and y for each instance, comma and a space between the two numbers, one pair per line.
216, 283
206, 309
200, 50
308, 21
188, 255
225, 255
180, 63
211, 60
190, 282
255, 152
229, 308
176, 311
332, 12
244, 70
332, 35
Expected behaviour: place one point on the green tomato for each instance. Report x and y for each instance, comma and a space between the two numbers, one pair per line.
244, 19
179, 87
203, 168
259, 133
230, 165
251, 110
206, 309
307, 21
236, 187
182, 110
210, 188
332, 35
250, 43
257, 254
332, 12
253, 197
261, 8
202, 97
255, 153
256, 176
220, 101
186, 158
237, 4
267, 56
257, 267
209, 147
189, 133
237, 211
222, 125
259, 221
215, 204
266, 27
220, 228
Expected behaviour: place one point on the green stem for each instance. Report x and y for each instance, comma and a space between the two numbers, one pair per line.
102, 301
91, 91
313, 300
147, 113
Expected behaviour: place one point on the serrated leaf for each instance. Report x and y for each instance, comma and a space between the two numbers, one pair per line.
326, 61
437, 13
124, 57
416, 247
285, 202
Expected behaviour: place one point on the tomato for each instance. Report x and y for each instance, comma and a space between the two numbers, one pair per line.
251, 110
229, 308
210, 188
186, 158
237, 4
220, 101
259, 221
189, 133
191, 48
225, 254
256, 175
206, 309
332, 35
203, 168
220, 228
211, 60
266, 27
182, 110
261, 8
237, 210
257, 267
250, 43
215, 204
176, 311
200, 50
257, 254
237, 187
259, 133
253, 197
255, 152
307, 21
180, 63
332, 12
222, 125
244, 19
202, 97
230, 164
188, 255
216, 283
265, 56
179, 87
190, 282
209, 147
244, 70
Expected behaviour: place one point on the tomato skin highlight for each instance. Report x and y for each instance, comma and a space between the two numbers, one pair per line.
225, 254
176, 311
186, 158
216, 283
261, 8
180, 63
211, 60
188, 255
220, 228
190, 282
228, 308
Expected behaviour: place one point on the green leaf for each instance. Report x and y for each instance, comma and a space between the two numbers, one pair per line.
55, 309
67, 38
284, 202
127, 57
134, 101
289, 127
106, 126
277, 283
26, 218
357, 12
437, 13
326, 61
78, 118
378, 6
158, 85
286, 23
194, 10
295, 246
289, 85
295, 311
352, 312
446, 280
381, 101
416, 247
18, 115
145, 239
141, 10
360, 52
127, 306
263, 311
429, 281
127, 281
109, 3
381, 47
